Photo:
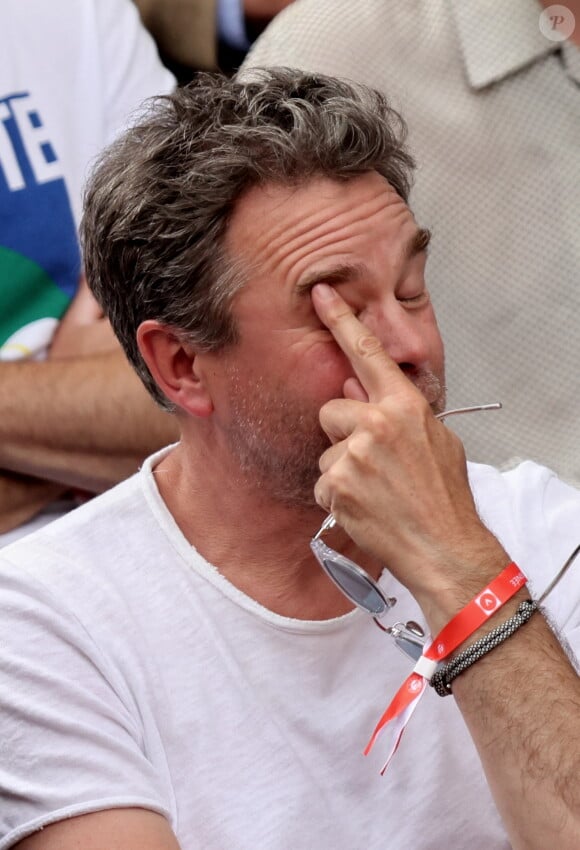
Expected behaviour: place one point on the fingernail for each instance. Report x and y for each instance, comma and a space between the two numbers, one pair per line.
324, 291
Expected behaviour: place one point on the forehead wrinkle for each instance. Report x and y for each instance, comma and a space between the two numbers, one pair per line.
289, 242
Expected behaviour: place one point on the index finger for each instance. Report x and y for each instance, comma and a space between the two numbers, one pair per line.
376, 370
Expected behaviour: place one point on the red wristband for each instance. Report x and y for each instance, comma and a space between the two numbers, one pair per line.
476, 612
458, 629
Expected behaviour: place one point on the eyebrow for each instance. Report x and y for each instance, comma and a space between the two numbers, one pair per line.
355, 271
417, 243
333, 276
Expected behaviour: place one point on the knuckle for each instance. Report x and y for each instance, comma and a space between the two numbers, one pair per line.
337, 483
368, 346
331, 479
375, 422
321, 495
412, 406
374, 418
361, 449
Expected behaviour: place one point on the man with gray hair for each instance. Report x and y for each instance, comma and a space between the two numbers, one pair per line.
490, 92
178, 672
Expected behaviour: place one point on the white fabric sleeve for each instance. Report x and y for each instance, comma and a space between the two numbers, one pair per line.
561, 511
130, 65
546, 511
71, 740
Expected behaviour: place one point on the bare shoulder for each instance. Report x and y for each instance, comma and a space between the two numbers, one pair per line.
115, 829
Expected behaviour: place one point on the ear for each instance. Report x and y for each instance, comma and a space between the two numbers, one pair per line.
173, 362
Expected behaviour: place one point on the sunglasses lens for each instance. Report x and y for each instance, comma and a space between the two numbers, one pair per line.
351, 579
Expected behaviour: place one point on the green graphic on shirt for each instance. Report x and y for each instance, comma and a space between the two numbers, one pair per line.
26, 294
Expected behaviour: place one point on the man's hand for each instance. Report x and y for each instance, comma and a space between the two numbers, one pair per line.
395, 477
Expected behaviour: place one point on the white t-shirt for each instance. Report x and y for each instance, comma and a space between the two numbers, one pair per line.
133, 674
71, 74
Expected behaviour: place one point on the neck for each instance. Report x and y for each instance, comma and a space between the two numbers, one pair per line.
258, 544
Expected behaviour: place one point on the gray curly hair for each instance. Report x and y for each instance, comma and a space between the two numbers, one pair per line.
158, 203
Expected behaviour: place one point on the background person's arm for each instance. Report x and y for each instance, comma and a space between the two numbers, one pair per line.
22, 497
81, 419
395, 479
84, 422
114, 829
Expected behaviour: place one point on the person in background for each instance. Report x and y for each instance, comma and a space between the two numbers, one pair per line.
174, 658
491, 95
72, 415
206, 34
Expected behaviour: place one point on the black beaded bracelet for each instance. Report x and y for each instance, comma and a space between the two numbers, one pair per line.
442, 678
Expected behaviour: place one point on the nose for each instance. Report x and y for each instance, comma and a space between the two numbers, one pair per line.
408, 336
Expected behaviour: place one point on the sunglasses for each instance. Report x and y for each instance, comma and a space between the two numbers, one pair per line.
361, 589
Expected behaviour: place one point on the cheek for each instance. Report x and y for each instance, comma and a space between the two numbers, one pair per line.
305, 361
321, 369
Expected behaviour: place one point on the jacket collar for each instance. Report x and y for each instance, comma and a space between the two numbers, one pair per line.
498, 38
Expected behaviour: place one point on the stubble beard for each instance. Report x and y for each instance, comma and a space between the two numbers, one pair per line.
277, 442
277, 439
433, 388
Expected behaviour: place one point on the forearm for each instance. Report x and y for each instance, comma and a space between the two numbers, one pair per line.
21, 498
85, 422
521, 703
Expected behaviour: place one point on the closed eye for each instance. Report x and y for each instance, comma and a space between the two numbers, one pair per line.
416, 300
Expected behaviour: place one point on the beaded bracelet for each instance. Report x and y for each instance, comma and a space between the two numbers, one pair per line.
456, 632
442, 678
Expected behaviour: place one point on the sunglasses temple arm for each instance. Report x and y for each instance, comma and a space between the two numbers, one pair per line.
328, 523
496, 405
